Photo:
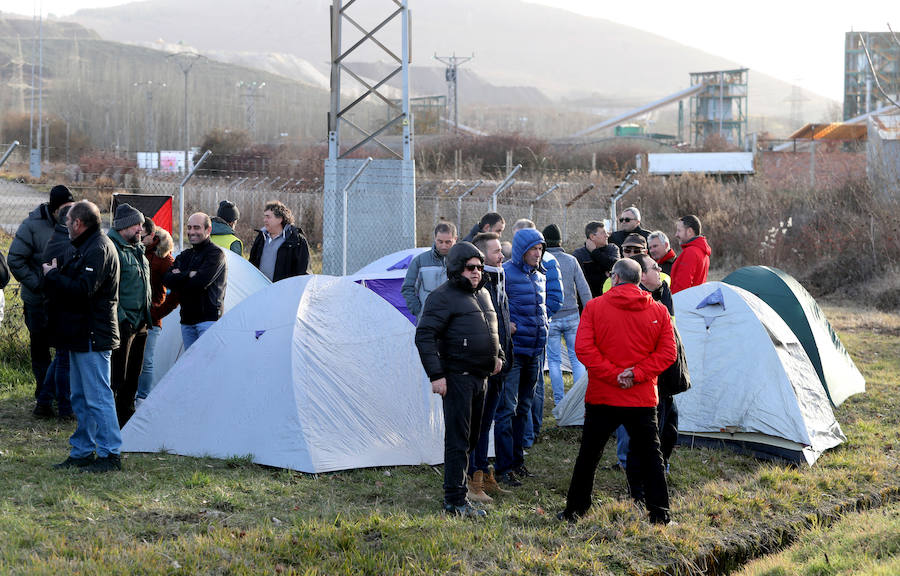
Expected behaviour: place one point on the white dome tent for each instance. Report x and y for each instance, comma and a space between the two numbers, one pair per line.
752, 383
313, 373
243, 279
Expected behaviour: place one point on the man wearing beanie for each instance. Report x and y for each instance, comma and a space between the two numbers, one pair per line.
459, 345
564, 322
223, 228
25, 264
134, 308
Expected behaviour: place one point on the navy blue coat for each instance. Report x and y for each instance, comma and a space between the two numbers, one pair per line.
526, 288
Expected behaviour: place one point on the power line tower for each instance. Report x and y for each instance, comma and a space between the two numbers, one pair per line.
797, 98
250, 93
452, 76
368, 196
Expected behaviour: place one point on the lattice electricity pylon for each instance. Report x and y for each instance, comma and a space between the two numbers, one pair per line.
250, 93
339, 115
452, 76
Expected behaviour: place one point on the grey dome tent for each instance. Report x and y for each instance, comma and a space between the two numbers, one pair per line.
799, 310
752, 384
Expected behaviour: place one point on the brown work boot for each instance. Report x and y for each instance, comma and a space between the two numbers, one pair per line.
489, 483
476, 490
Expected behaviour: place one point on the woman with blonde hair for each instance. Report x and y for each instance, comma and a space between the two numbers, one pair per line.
158, 247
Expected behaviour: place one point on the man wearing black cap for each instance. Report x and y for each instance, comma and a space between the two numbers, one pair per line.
134, 308
223, 224
25, 264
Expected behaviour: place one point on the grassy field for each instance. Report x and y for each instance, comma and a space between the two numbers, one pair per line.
168, 514
866, 543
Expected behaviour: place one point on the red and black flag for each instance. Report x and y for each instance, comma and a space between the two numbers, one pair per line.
158, 208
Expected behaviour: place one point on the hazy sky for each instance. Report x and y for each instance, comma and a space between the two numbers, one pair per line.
799, 41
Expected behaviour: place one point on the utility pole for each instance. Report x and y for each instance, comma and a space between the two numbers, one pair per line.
186, 61
251, 94
150, 124
452, 75
34, 161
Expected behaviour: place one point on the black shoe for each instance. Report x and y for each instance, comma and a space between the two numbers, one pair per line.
70, 417
107, 464
464, 511
567, 516
71, 462
522, 472
43, 411
509, 479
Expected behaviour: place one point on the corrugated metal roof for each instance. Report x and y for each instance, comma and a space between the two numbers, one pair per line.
832, 131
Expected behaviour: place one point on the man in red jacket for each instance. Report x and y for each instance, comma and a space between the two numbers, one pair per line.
625, 341
692, 265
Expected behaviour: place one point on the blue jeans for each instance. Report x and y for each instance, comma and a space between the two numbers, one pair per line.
478, 458
191, 332
94, 405
56, 384
536, 415
145, 382
565, 327
622, 446
514, 409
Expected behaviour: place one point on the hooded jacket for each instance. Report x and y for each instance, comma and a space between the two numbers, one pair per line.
134, 282
526, 288
26, 250
457, 332
426, 272
692, 265
622, 329
86, 287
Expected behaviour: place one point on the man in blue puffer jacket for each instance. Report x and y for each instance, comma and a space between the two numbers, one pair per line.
526, 289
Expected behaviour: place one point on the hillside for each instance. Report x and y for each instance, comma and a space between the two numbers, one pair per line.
562, 54
95, 84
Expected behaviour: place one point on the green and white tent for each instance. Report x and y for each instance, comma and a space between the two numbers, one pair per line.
799, 310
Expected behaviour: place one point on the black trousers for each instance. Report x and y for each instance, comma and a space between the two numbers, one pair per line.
36, 322
667, 418
463, 405
127, 362
601, 420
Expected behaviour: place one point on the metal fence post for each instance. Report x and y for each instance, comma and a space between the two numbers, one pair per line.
8, 152
507, 182
459, 203
206, 155
346, 210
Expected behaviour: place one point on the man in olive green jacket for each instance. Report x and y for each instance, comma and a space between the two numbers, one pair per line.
134, 308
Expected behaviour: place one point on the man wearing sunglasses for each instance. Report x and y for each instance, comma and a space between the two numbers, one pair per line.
629, 223
458, 342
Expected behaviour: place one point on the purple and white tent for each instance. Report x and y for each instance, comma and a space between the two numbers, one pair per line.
385, 277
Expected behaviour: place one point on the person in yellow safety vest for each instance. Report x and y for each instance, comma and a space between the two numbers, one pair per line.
223, 228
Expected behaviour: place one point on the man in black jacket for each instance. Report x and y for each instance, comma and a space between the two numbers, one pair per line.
280, 249
56, 383
629, 223
198, 277
459, 347
597, 256
4, 280
25, 262
86, 288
